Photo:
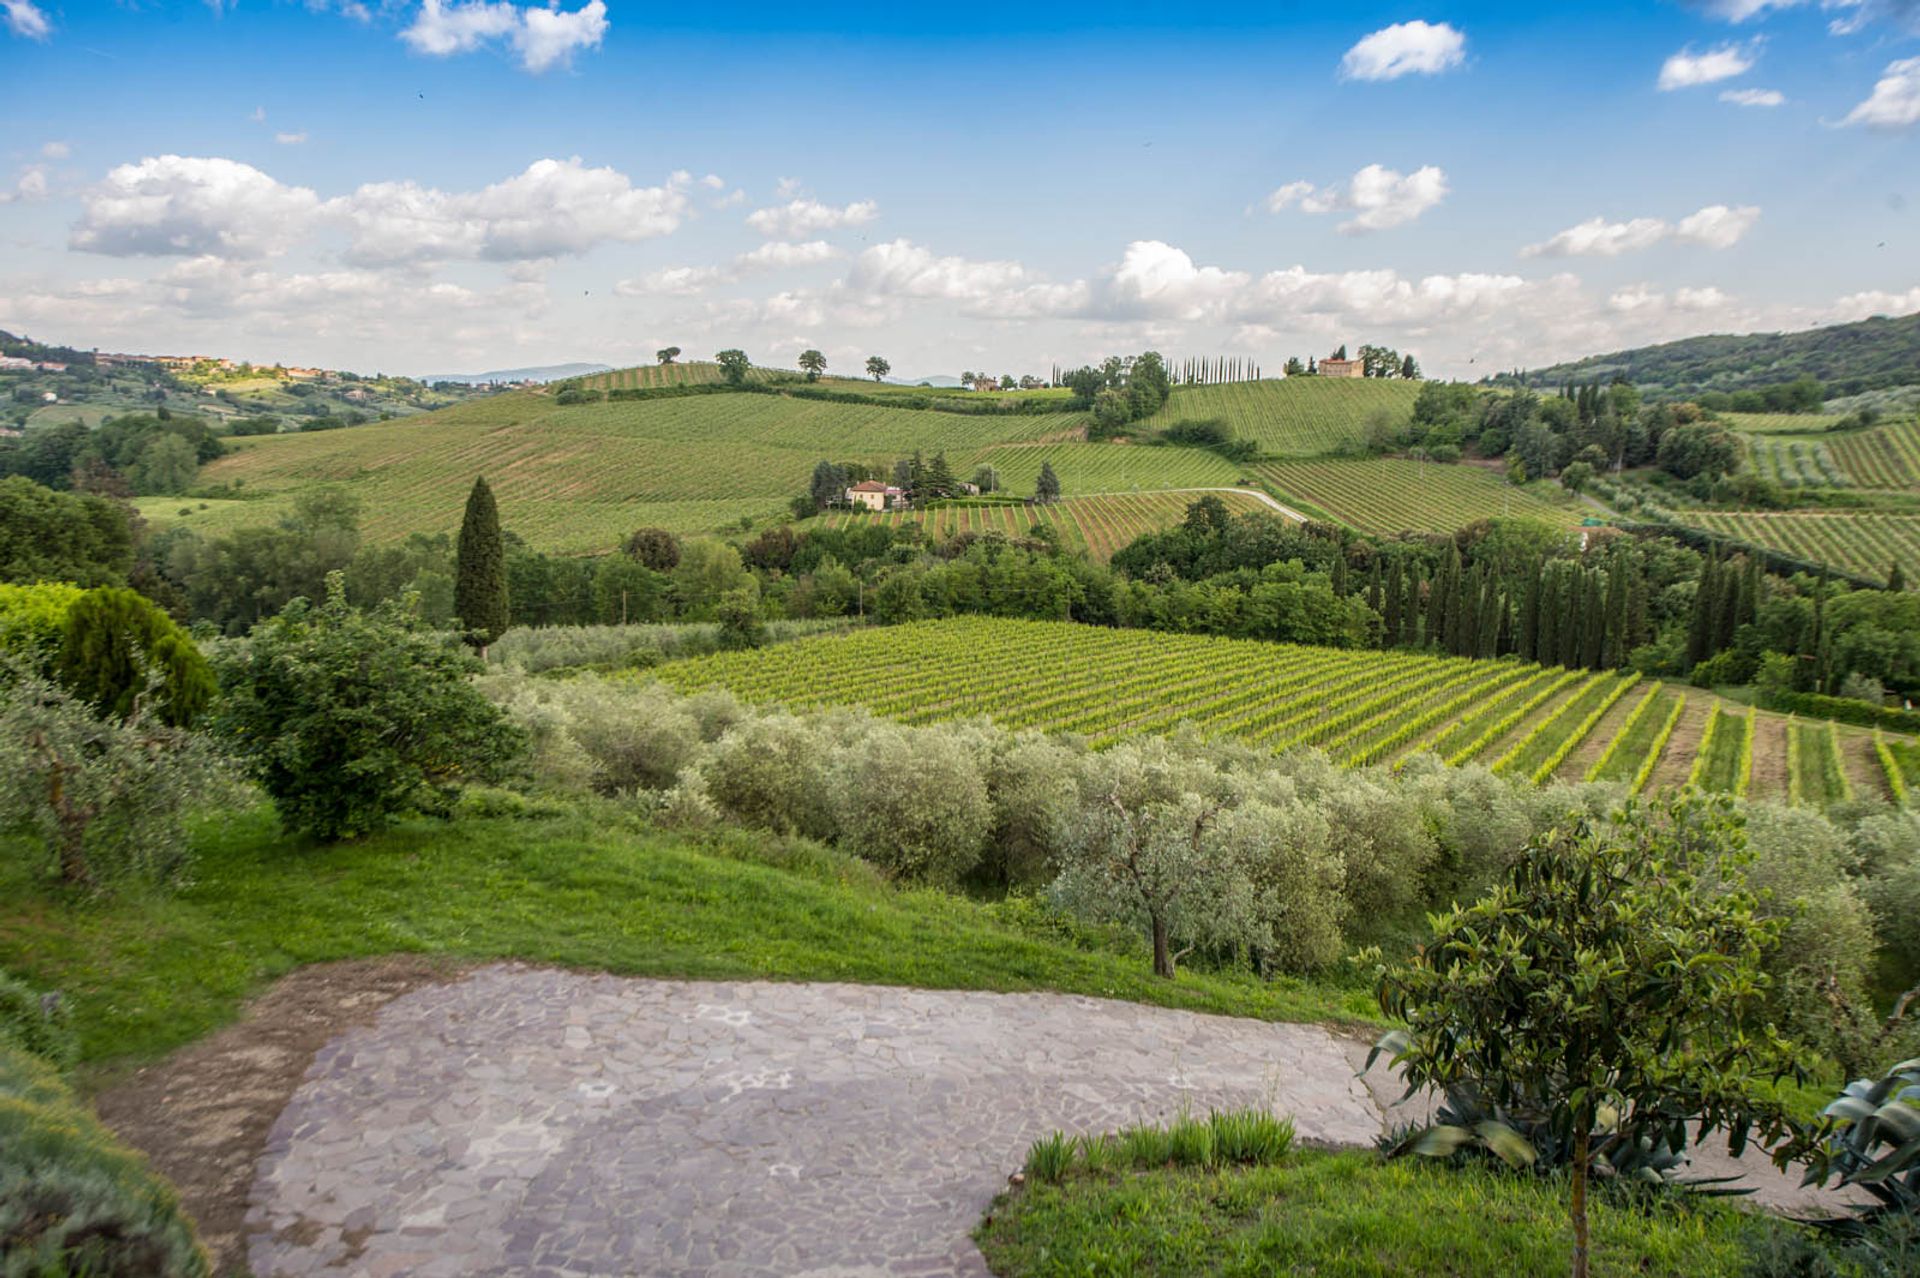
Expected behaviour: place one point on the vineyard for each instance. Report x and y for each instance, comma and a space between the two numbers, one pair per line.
1294, 417
647, 376
1884, 457
578, 479
1779, 423
1863, 542
1361, 707
1098, 526
1110, 467
1388, 495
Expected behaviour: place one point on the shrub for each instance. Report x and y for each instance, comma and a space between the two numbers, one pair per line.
73, 1201
1031, 784
35, 1022
1551, 1008
1872, 1140
914, 803
33, 619
107, 798
117, 648
772, 772
349, 719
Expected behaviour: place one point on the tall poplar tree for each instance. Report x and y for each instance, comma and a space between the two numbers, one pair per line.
480, 569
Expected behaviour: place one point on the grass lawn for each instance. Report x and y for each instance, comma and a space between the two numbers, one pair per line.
148, 972
1348, 1215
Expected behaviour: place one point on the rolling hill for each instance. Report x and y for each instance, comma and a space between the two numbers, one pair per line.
1871, 354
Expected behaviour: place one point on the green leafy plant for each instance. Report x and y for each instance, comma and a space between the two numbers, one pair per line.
349, 719
117, 649
1050, 1157
1872, 1141
1605, 997
37, 1022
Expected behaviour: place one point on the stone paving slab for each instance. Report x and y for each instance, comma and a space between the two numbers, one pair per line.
530, 1121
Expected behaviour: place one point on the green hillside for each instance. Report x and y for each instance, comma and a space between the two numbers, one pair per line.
576, 479
1294, 417
1871, 354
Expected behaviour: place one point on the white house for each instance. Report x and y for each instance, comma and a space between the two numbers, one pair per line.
875, 495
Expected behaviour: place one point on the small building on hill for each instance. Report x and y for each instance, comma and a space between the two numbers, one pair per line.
1332, 367
875, 495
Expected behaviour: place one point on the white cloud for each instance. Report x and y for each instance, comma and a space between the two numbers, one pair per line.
289, 139
1753, 97
31, 185
800, 218
1855, 15
685, 281
1645, 300
543, 37
56, 150
786, 188
1378, 197
1597, 237
550, 37
1405, 48
1000, 289
1686, 69
714, 182
1895, 102
1717, 226
174, 205
26, 19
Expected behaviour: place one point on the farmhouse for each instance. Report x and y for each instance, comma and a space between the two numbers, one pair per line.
1332, 367
876, 496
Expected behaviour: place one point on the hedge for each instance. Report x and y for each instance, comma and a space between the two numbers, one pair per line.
1861, 714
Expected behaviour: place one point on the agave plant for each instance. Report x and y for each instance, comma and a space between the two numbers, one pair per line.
1874, 1141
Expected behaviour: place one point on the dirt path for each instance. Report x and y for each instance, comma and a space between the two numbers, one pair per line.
1862, 763
1676, 761
203, 1114
1769, 779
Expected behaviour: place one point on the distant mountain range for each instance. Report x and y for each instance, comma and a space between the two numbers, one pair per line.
541, 373
1868, 355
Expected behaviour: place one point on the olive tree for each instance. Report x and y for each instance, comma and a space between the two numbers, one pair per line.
1605, 996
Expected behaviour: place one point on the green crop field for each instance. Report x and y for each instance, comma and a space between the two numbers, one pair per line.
1786, 423
1293, 417
1816, 768
1088, 468
1362, 707
691, 373
1096, 525
1886, 456
578, 479
1388, 494
1900, 764
1863, 542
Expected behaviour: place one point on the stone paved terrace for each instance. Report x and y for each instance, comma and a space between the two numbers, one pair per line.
538, 1122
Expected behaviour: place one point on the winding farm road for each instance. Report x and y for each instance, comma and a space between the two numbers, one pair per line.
530, 1121
1257, 494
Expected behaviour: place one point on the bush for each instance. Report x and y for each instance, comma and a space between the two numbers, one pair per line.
73, 1201
913, 803
349, 719
35, 1022
772, 772
33, 619
117, 648
107, 798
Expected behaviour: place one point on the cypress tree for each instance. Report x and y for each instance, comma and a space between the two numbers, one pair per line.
1340, 572
1896, 580
480, 569
1594, 636
1374, 586
1573, 617
1706, 606
1636, 633
1750, 598
1047, 487
1546, 650
1733, 585
1614, 648
1529, 645
1410, 610
1396, 590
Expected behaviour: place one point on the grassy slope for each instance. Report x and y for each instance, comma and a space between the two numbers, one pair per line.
579, 478
1292, 417
147, 973
1347, 1215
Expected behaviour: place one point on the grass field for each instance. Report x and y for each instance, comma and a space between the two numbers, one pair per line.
1099, 526
690, 373
578, 479
1109, 467
1388, 495
1351, 1215
1361, 707
1864, 542
1294, 417
146, 972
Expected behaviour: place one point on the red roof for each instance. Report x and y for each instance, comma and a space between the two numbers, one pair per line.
869, 486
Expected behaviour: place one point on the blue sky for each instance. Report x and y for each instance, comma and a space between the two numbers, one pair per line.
428, 187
